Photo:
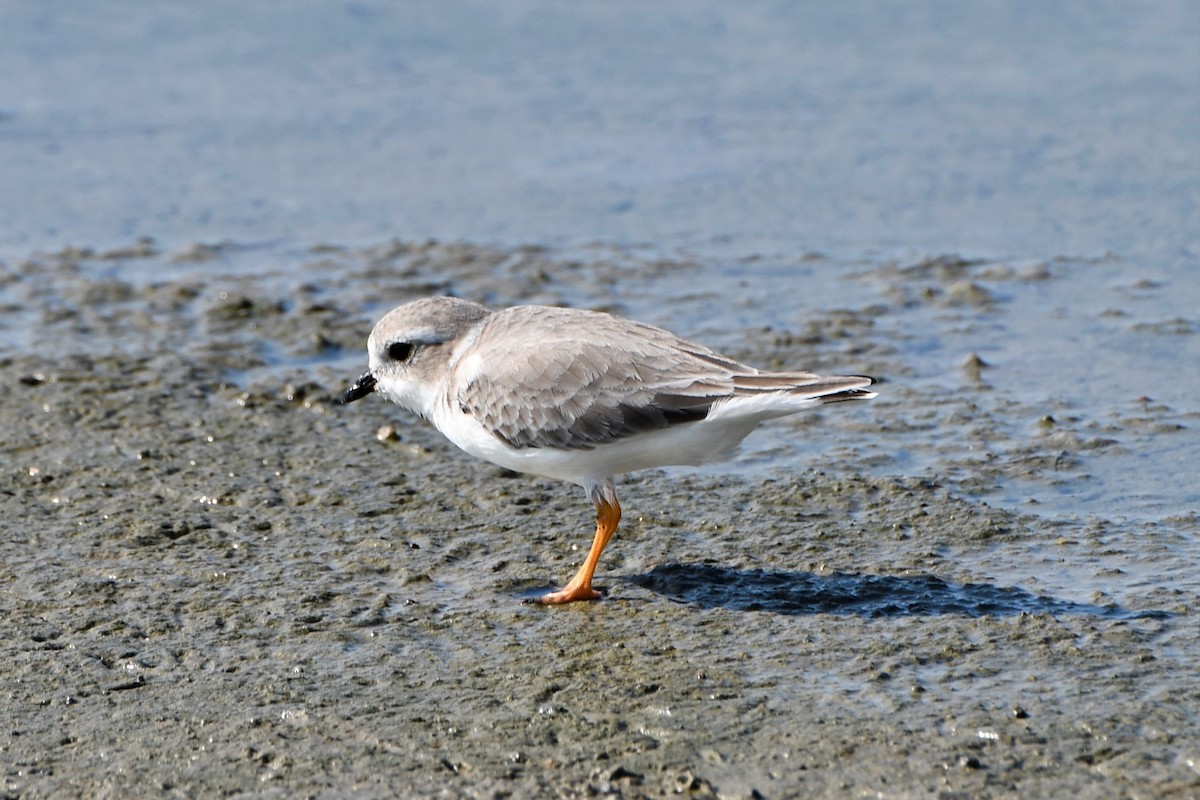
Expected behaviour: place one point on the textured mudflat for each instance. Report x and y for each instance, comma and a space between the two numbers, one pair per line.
214, 582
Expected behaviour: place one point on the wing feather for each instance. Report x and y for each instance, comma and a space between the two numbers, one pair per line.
576, 379
573, 379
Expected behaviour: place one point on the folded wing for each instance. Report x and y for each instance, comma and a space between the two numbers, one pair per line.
575, 380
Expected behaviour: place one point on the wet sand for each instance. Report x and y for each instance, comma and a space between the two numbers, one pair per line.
215, 582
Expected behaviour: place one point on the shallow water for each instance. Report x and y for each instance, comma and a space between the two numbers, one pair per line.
981, 583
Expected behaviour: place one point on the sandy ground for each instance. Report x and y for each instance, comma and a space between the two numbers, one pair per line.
215, 582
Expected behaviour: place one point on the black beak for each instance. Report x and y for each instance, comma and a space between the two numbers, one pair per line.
361, 388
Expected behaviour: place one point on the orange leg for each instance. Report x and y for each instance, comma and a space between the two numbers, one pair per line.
608, 515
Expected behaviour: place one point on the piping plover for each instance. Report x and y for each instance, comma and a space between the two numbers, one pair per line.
576, 395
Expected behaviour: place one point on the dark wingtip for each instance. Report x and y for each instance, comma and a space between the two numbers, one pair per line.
857, 393
361, 388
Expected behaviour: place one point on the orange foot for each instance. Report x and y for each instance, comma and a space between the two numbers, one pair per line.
608, 515
568, 594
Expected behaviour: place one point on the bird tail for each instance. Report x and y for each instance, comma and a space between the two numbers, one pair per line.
764, 395
805, 386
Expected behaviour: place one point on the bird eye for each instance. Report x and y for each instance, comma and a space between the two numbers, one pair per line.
400, 351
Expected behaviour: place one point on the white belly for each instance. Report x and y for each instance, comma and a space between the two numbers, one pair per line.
692, 443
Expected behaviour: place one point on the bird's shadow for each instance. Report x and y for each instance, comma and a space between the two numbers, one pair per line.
796, 593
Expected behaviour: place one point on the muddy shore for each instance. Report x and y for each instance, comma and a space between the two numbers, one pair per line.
217, 583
